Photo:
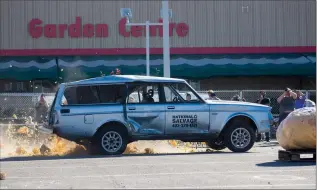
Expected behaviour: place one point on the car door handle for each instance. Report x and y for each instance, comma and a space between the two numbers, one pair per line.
65, 111
131, 108
170, 107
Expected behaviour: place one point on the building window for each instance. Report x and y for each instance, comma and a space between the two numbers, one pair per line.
8, 87
20, 86
43, 86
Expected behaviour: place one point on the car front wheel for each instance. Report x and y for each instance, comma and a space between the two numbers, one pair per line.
111, 141
240, 137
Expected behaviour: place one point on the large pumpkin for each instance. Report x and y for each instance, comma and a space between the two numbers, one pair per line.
298, 130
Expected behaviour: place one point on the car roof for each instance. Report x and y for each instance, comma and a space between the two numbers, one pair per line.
124, 79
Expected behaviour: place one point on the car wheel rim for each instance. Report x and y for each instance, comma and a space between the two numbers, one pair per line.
111, 141
240, 138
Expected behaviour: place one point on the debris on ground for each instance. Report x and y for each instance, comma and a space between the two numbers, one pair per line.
149, 151
44, 149
20, 151
36, 151
23, 130
173, 143
131, 149
77, 150
3, 176
27, 141
208, 150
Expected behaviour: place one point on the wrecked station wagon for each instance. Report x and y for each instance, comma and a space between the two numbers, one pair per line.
113, 111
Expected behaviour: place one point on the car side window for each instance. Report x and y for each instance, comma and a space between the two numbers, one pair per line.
94, 94
170, 95
112, 93
70, 96
179, 92
87, 95
80, 95
143, 93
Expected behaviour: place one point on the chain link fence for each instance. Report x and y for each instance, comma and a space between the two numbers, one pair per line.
253, 95
22, 105
17, 106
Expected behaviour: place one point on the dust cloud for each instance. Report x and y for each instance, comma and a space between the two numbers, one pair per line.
26, 141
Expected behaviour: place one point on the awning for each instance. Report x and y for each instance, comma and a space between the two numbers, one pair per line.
69, 68
193, 66
28, 68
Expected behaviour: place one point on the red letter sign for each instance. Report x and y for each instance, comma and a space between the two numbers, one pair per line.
182, 29
122, 29
74, 30
88, 30
50, 31
35, 31
136, 31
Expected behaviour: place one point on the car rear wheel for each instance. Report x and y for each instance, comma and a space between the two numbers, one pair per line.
216, 144
111, 141
240, 137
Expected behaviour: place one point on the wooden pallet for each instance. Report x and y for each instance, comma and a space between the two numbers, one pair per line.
295, 155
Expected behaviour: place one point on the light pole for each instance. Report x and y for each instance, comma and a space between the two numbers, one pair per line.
166, 39
166, 45
147, 25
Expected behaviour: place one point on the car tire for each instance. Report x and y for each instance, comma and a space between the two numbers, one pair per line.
111, 141
240, 133
215, 145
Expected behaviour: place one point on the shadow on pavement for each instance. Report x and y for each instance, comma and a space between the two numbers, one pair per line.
33, 158
278, 163
267, 144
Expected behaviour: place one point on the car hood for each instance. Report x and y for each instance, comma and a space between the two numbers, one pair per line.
237, 103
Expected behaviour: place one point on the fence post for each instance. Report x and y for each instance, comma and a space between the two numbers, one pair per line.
307, 94
241, 94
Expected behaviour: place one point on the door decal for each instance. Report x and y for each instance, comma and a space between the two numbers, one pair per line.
185, 121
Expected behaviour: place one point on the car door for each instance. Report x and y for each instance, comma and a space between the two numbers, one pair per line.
185, 116
144, 110
77, 114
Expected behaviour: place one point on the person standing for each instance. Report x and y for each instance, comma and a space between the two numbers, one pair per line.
264, 101
236, 98
287, 103
300, 100
212, 95
41, 109
116, 72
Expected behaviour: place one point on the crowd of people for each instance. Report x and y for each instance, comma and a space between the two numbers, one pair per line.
288, 102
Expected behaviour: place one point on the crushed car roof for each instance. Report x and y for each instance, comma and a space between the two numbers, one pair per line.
124, 79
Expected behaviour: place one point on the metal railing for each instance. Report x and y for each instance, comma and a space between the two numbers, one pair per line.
21, 105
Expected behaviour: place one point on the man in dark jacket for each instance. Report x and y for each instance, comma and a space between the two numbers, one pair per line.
263, 99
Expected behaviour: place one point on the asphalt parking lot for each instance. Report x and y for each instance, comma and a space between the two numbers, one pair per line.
257, 169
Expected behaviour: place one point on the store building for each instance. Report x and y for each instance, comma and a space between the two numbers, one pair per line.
214, 44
